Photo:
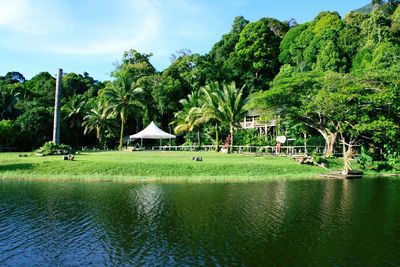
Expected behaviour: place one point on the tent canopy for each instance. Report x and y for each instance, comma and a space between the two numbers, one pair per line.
152, 132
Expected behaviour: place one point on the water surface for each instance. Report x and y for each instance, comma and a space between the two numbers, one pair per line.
297, 223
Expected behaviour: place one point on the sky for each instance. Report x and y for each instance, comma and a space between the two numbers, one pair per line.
91, 35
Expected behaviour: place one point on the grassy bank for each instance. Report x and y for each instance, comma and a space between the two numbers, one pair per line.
152, 166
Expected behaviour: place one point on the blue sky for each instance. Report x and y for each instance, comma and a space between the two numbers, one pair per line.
91, 35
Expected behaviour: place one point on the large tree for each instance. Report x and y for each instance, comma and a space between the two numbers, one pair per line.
255, 60
121, 96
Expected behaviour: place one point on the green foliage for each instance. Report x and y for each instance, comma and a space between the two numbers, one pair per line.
319, 159
376, 29
134, 65
256, 53
365, 160
49, 148
8, 133
122, 98
326, 43
392, 155
35, 127
42, 86
251, 137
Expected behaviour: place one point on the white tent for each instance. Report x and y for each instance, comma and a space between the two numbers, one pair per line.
151, 132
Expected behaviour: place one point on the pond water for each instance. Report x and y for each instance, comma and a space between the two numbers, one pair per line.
297, 223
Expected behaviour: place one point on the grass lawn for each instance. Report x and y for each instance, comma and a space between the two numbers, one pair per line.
153, 166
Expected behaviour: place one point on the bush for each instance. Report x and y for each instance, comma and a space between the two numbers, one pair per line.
250, 137
365, 161
50, 148
319, 159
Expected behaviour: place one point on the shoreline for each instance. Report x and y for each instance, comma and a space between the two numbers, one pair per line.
161, 180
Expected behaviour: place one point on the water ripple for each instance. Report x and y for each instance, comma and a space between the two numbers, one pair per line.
275, 223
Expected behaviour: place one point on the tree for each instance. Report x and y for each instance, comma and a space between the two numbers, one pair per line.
8, 101
224, 106
98, 119
376, 29
42, 89
300, 97
12, 77
134, 65
218, 67
255, 61
121, 96
190, 117
35, 127
232, 105
8, 133
210, 110
72, 112
166, 89
77, 84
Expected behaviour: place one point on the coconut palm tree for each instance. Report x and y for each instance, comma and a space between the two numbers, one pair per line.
232, 108
98, 119
73, 110
224, 106
211, 111
190, 117
121, 96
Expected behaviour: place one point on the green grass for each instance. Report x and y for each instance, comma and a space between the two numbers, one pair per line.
153, 166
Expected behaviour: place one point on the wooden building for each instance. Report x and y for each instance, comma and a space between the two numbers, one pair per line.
252, 121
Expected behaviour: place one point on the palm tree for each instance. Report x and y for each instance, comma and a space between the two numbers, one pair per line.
224, 105
73, 110
211, 111
232, 108
8, 99
98, 119
120, 95
190, 117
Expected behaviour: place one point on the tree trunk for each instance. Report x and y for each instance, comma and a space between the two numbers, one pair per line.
121, 136
231, 145
330, 140
57, 105
216, 138
97, 132
347, 148
199, 138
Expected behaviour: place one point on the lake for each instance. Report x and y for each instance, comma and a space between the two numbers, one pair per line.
277, 223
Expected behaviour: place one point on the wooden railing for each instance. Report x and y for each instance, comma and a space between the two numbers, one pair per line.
286, 150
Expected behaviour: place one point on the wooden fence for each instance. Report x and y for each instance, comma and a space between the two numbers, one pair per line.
286, 150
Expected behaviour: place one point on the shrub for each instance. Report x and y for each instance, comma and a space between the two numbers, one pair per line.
49, 148
365, 160
319, 159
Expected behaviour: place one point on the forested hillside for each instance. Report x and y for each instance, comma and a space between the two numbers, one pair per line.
334, 78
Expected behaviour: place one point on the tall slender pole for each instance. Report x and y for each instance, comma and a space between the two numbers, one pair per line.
57, 102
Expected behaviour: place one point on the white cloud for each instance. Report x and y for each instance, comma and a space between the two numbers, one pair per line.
112, 42
33, 16
90, 30
114, 35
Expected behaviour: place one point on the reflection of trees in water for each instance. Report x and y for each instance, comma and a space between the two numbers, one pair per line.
205, 224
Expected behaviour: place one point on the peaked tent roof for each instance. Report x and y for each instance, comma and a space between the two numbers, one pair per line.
152, 132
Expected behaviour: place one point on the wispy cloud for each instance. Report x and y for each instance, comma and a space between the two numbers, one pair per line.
35, 17
113, 41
